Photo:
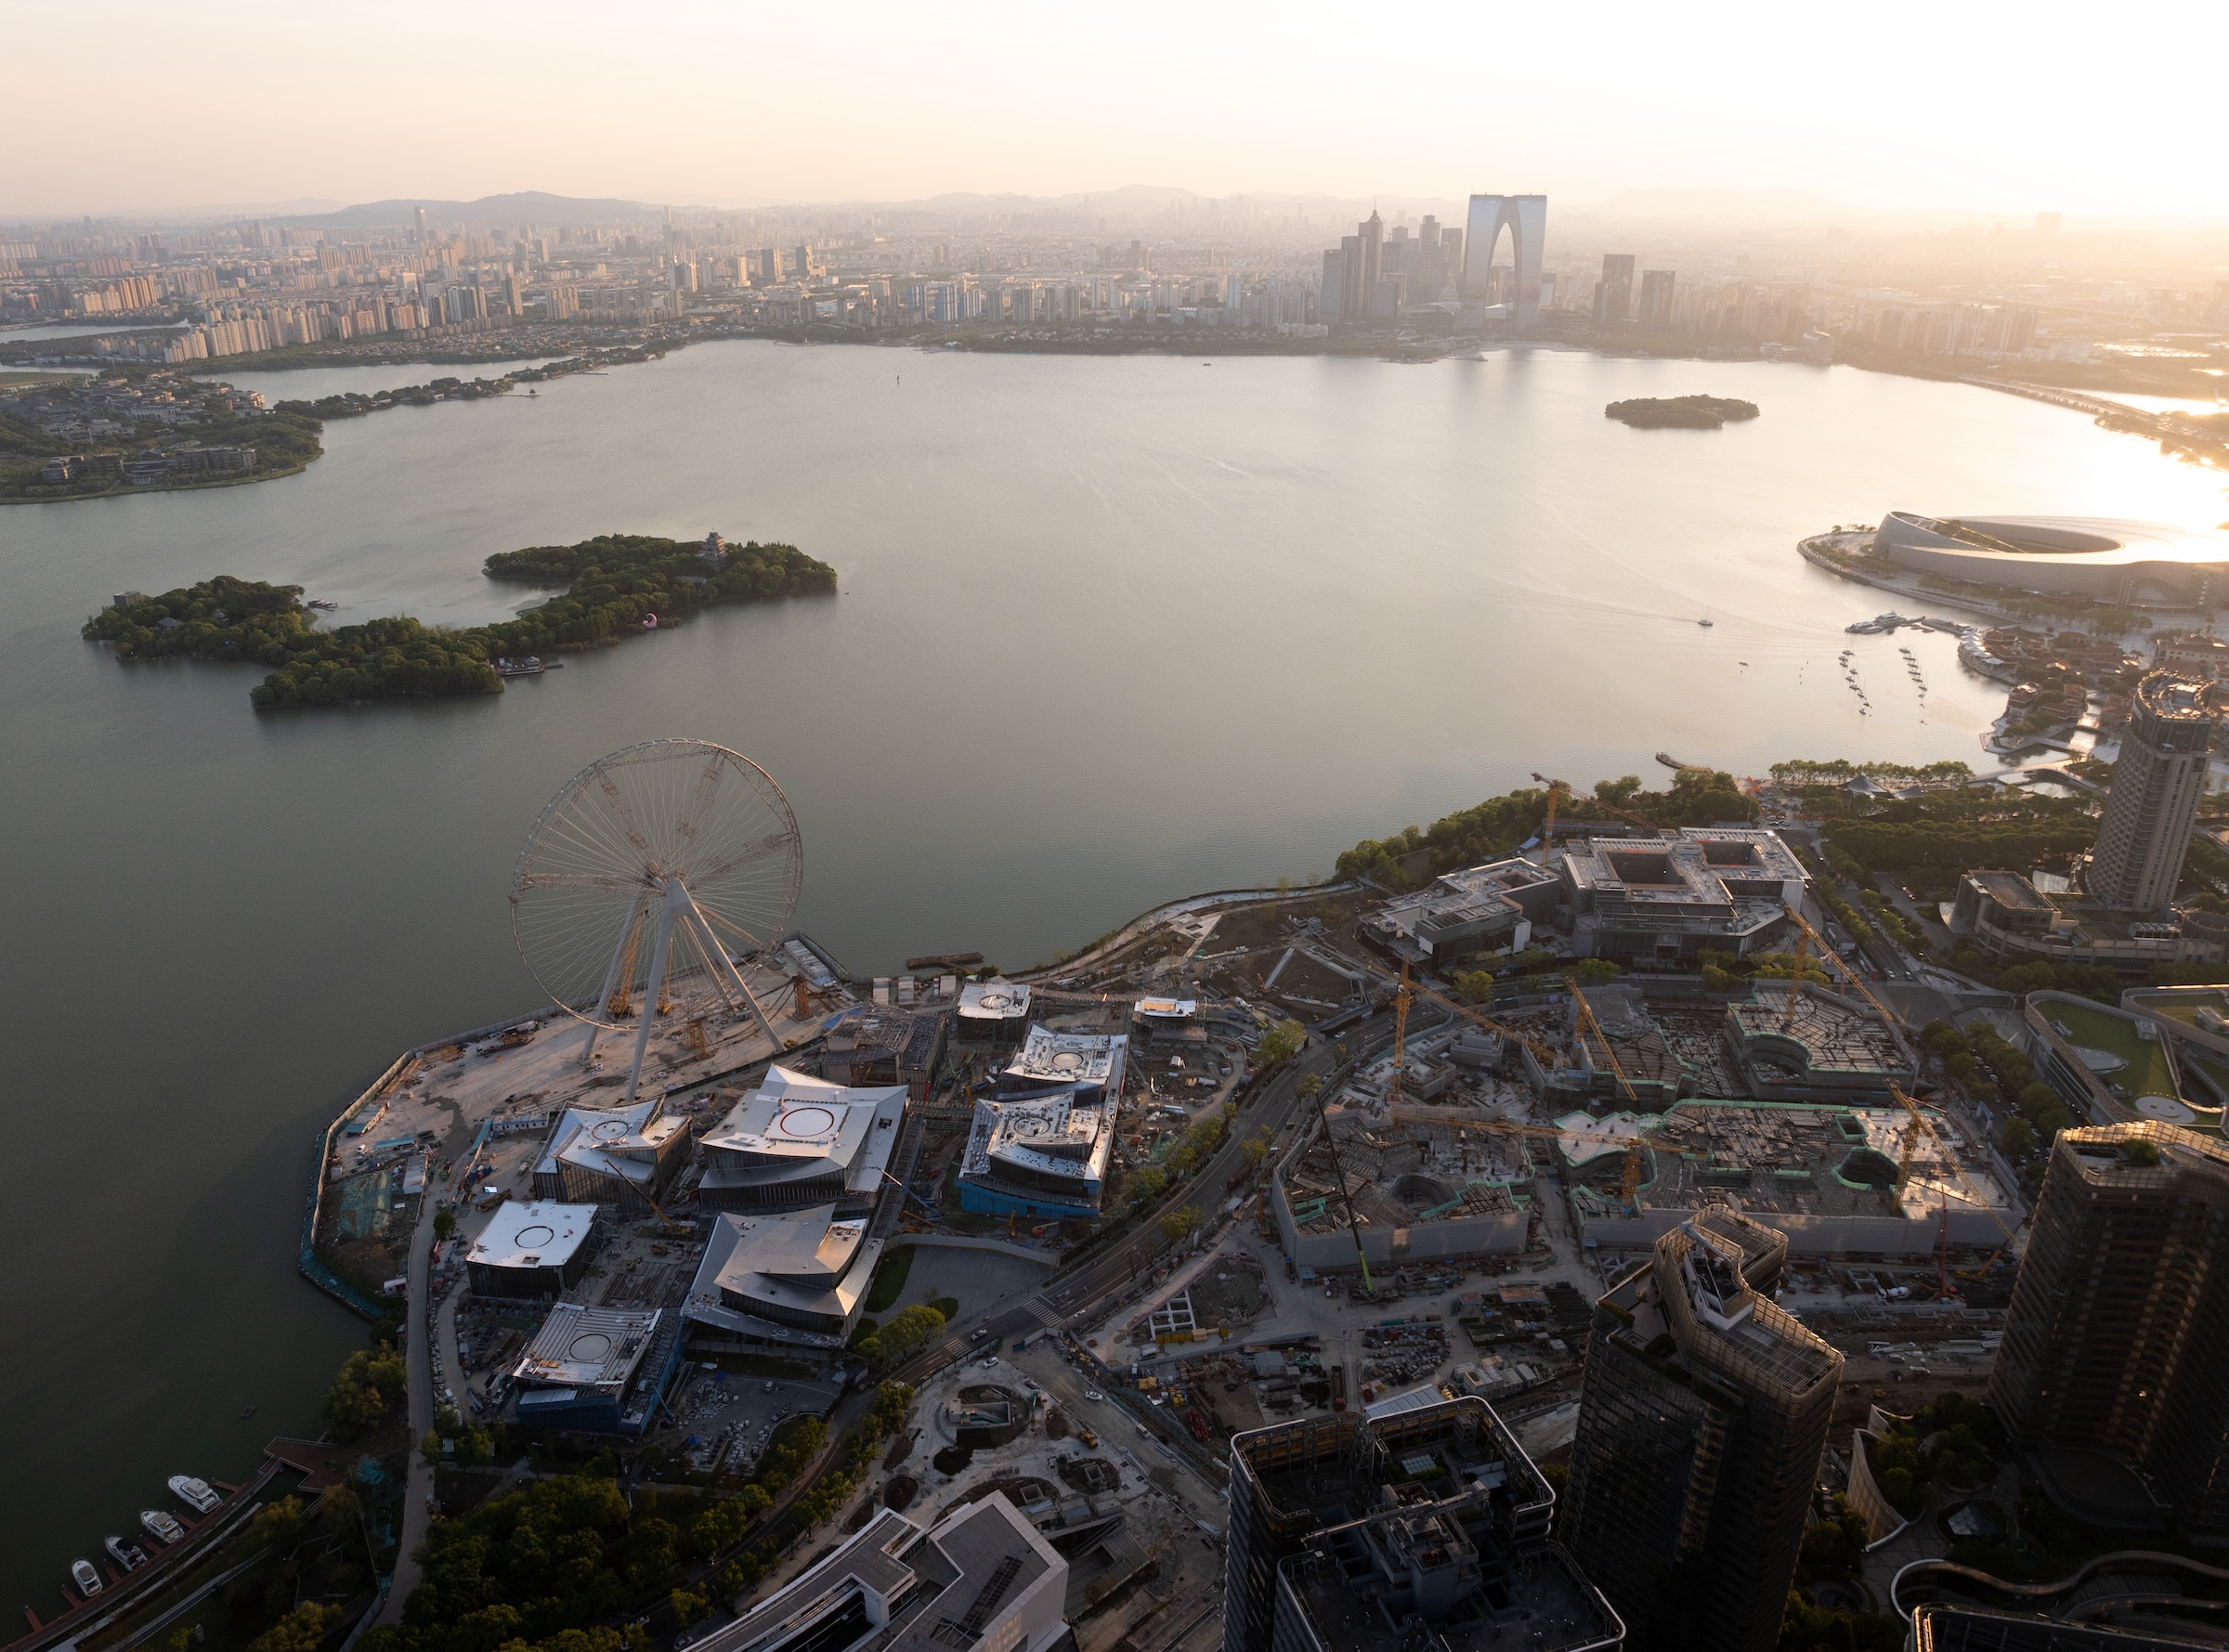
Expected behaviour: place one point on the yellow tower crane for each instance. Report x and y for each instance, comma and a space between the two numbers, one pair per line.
1558, 791
1629, 1185
1549, 1057
1401, 1035
1795, 980
623, 995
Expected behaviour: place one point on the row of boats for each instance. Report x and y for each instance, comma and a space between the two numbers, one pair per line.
161, 1526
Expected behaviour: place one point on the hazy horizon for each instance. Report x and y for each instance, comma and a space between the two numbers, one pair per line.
1920, 111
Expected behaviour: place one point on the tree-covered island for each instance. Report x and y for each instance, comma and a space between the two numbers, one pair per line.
1679, 412
613, 584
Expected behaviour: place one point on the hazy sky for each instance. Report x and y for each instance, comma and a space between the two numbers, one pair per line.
2001, 107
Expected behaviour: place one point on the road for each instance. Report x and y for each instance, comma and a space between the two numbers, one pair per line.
417, 1351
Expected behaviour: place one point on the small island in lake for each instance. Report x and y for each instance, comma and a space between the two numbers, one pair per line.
615, 585
1679, 412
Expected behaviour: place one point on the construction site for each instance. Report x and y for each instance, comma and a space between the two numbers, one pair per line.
1839, 1181
1391, 1192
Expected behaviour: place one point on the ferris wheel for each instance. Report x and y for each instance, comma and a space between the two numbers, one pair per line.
651, 876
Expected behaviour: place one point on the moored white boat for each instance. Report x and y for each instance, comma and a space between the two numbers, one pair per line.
84, 1577
198, 1494
164, 1527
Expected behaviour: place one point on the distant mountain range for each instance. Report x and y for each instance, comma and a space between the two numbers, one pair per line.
524, 206
1131, 204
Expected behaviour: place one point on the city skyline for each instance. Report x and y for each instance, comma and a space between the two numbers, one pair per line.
763, 111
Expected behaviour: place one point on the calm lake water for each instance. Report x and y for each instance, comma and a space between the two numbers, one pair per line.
1110, 630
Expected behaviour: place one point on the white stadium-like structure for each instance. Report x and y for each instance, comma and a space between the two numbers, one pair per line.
2112, 561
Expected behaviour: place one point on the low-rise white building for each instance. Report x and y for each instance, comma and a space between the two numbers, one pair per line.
623, 1156
797, 1140
1040, 1146
980, 1580
795, 1279
539, 1248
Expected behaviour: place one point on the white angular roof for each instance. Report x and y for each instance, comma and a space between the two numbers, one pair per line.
537, 1233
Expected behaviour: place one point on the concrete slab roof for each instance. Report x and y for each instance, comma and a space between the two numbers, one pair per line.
538, 1234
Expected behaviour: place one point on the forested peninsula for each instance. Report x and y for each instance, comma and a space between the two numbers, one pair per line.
615, 585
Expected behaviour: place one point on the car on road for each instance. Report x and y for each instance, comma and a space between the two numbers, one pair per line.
979, 1333
1093, 1394
990, 1359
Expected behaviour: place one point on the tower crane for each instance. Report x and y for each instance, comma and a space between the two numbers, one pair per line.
1631, 1182
1400, 1034
1828, 954
1558, 791
621, 1002
1416, 990
1339, 1174
1795, 980
1564, 789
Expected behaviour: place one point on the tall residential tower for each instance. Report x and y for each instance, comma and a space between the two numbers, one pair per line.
2117, 1336
2153, 800
1700, 1424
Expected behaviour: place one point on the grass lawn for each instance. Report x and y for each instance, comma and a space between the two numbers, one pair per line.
2185, 1008
890, 1278
2146, 1071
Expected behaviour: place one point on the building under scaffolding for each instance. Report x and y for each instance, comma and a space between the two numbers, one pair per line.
1704, 1415
1653, 902
1425, 1529
1420, 1189
1822, 1047
1483, 909
1638, 1054
1836, 1179
1622, 1056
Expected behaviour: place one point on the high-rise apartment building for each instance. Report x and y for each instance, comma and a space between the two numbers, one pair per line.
1657, 287
2118, 1337
1424, 1529
1701, 1420
1331, 296
2153, 797
1613, 296
1362, 254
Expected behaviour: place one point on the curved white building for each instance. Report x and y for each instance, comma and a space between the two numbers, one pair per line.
2101, 557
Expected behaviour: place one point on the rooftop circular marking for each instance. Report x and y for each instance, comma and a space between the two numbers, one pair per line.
534, 1238
806, 1121
999, 1000
611, 1129
590, 1344
2166, 1109
1067, 1061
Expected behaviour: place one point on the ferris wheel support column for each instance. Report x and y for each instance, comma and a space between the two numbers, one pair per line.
611, 982
676, 899
717, 953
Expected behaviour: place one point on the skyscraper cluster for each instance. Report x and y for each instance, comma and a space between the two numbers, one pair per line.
1372, 274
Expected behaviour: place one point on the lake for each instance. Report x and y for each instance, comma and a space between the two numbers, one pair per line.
1110, 630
